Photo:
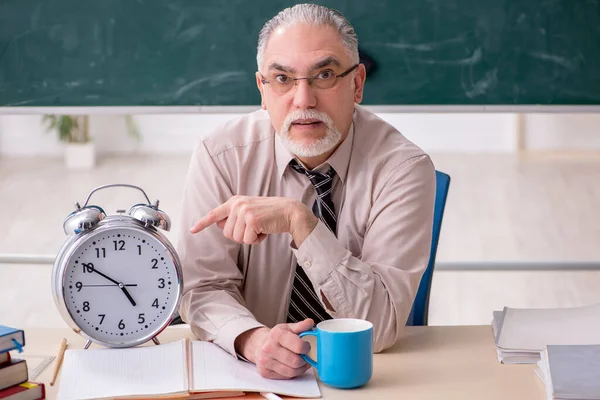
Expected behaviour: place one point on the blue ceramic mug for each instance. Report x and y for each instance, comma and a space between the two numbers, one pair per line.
344, 352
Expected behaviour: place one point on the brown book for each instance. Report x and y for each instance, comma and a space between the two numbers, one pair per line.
13, 373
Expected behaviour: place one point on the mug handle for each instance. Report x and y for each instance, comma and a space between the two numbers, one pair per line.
304, 356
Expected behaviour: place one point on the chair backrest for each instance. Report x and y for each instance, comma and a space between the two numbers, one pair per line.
420, 309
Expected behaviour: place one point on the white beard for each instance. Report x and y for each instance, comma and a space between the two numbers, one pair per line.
319, 146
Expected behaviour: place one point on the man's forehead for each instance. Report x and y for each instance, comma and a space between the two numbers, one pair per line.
323, 62
303, 46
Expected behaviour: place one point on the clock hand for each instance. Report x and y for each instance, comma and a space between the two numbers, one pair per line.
127, 294
105, 276
121, 286
127, 284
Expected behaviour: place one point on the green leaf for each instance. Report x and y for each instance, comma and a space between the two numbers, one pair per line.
66, 126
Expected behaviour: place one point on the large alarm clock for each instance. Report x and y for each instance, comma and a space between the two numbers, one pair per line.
117, 279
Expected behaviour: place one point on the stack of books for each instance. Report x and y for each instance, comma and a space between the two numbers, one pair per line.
14, 377
570, 372
521, 335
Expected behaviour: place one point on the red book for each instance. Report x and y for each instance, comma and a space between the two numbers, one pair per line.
24, 391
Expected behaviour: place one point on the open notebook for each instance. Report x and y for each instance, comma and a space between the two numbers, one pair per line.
176, 369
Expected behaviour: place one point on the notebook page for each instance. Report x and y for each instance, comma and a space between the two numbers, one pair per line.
102, 373
215, 369
532, 329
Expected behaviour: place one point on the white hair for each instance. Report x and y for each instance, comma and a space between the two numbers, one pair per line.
310, 14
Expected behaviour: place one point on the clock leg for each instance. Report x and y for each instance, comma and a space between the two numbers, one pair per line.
87, 344
155, 340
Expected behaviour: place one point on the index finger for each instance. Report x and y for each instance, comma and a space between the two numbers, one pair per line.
218, 214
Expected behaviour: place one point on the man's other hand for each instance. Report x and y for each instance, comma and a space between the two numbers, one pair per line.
276, 352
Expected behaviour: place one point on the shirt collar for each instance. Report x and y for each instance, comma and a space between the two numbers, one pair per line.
339, 160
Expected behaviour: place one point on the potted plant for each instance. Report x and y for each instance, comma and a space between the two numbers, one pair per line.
73, 130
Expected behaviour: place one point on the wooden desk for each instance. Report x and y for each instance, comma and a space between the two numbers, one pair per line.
445, 362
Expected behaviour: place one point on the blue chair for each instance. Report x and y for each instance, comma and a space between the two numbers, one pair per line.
420, 309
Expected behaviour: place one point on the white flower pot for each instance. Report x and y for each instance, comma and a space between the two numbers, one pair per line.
80, 155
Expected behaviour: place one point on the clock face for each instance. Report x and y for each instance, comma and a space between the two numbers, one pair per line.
121, 285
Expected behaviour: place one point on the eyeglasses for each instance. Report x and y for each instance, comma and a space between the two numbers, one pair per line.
326, 79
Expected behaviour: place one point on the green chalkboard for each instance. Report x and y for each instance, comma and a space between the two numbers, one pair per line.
202, 52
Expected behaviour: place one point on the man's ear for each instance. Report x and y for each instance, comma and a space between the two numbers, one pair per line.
261, 89
359, 83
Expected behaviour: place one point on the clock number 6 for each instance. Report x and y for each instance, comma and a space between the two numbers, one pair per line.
121, 325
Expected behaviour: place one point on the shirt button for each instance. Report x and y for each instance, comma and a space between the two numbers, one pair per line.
307, 264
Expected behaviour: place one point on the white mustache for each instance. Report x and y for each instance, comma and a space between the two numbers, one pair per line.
320, 145
306, 114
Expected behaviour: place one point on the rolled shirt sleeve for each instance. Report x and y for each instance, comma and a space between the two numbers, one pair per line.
212, 302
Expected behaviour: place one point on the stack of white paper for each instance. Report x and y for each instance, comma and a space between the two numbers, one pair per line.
570, 372
510, 357
522, 334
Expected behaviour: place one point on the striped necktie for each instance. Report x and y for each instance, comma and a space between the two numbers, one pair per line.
304, 302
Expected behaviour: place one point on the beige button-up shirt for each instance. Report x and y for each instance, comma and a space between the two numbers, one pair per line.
383, 192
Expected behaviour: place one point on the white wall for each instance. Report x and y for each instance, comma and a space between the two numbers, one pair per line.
24, 135
462, 133
160, 133
562, 132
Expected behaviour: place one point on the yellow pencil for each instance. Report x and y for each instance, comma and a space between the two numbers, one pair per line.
59, 359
